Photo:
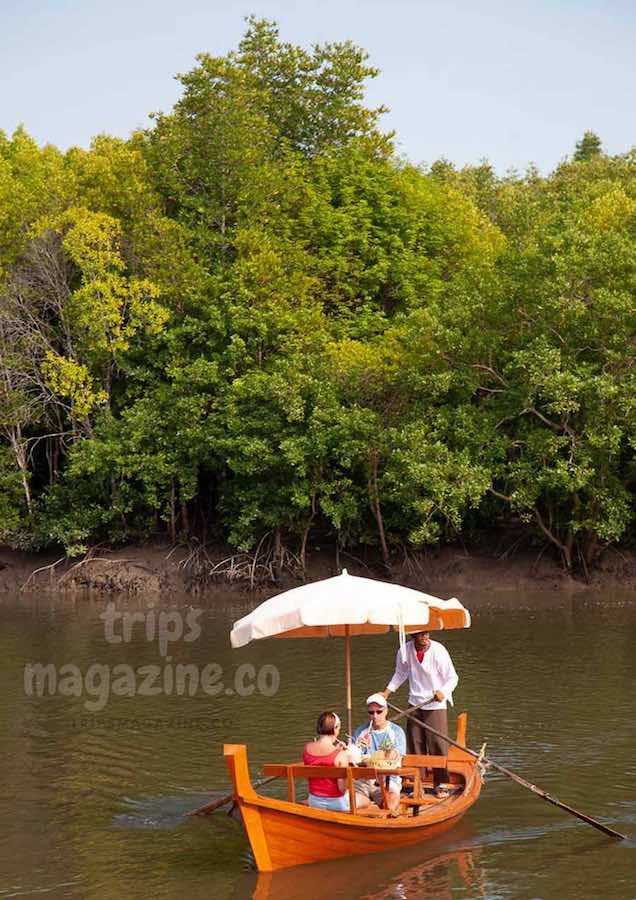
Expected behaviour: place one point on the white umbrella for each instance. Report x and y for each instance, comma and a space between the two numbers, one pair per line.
347, 605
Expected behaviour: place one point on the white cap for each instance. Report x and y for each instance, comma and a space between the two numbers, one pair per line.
377, 698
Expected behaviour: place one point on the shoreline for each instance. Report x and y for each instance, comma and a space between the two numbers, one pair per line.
159, 569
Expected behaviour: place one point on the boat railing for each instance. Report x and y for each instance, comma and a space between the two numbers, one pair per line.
348, 773
411, 770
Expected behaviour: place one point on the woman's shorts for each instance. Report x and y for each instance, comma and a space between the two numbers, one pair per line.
334, 804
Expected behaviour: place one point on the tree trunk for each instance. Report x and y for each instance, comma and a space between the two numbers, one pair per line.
185, 519
564, 549
303, 548
278, 548
592, 547
19, 451
567, 549
56, 459
48, 447
173, 517
377, 510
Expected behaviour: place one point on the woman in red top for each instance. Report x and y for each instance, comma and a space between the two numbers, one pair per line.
326, 750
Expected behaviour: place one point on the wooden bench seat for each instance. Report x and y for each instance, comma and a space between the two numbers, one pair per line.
410, 771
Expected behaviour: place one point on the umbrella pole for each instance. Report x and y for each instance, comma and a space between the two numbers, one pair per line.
348, 679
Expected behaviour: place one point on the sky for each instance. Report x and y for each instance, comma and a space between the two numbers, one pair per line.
512, 82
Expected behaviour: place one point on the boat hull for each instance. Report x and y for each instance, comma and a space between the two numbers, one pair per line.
283, 833
294, 840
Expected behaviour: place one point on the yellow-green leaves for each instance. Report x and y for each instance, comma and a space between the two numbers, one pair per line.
108, 307
112, 177
91, 241
72, 380
612, 211
33, 182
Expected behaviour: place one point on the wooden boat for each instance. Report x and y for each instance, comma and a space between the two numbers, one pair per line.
284, 833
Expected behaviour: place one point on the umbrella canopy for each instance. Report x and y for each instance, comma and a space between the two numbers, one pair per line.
347, 605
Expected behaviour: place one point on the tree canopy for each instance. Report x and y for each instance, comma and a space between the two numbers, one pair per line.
255, 319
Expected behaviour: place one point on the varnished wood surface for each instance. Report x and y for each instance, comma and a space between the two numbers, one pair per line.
297, 843
284, 833
283, 770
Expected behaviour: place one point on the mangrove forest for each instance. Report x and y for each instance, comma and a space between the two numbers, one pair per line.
256, 323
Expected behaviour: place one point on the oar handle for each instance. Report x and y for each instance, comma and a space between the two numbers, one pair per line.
410, 709
514, 777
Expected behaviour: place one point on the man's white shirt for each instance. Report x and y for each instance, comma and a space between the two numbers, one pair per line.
435, 673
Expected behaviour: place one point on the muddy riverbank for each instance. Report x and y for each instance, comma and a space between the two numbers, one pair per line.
450, 570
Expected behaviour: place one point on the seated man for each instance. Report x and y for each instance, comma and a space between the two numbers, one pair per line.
379, 734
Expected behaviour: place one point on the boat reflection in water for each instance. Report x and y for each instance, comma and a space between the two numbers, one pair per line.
443, 876
436, 878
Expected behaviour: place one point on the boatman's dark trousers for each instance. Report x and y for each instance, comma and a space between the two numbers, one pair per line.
423, 742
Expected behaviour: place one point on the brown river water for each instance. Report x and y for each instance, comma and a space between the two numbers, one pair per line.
98, 772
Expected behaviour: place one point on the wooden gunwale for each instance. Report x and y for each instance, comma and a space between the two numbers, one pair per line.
285, 833
451, 806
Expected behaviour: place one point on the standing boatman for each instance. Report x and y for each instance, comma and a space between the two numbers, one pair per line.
432, 677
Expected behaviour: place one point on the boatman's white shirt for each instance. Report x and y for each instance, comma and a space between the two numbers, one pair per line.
435, 673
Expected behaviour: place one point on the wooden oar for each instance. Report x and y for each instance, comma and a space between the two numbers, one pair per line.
514, 777
215, 804
410, 709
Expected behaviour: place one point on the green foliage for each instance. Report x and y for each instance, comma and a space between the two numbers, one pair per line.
33, 182
13, 511
588, 147
430, 485
72, 515
254, 318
